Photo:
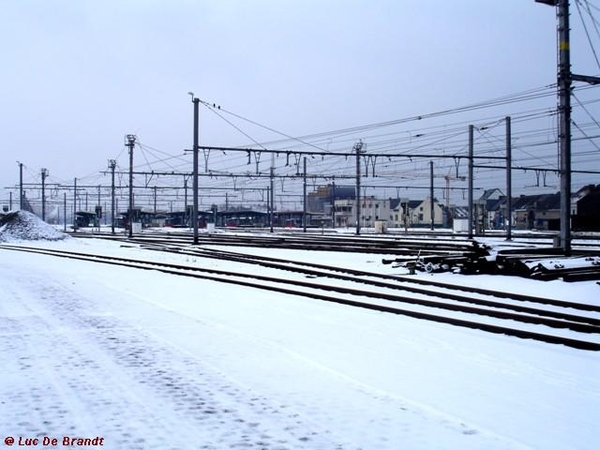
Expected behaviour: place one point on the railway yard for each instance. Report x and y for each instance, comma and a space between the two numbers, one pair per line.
300, 225
300, 340
444, 302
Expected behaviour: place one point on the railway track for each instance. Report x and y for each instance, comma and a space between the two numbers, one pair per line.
176, 244
547, 320
403, 248
398, 282
547, 239
315, 242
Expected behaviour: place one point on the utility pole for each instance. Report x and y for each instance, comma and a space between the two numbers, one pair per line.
112, 164
99, 208
44, 174
196, 102
185, 200
564, 111
154, 188
65, 210
358, 149
565, 78
470, 230
20, 185
304, 197
75, 204
406, 215
333, 204
130, 143
508, 213
269, 201
272, 196
432, 209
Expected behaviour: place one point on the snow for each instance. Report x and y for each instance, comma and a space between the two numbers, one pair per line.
17, 226
153, 361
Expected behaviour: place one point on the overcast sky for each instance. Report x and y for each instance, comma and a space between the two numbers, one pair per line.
77, 76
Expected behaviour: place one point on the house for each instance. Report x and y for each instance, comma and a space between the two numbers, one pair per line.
371, 210
490, 210
401, 209
375, 210
345, 214
322, 199
585, 209
420, 215
540, 212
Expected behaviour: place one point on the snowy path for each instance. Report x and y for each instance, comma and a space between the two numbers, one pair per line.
150, 361
78, 370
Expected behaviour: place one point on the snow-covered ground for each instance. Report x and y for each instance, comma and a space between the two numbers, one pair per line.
153, 361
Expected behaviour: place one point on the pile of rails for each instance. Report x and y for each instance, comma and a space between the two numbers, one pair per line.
536, 263
550, 264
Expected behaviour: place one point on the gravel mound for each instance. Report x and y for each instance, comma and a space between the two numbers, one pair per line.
25, 226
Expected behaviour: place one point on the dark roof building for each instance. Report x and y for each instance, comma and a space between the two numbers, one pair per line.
327, 195
585, 208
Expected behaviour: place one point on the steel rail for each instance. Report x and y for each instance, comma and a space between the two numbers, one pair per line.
326, 271
218, 275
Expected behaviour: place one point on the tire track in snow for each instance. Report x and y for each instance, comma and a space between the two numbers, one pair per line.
152, 393
59, 389
391, 419
120, 378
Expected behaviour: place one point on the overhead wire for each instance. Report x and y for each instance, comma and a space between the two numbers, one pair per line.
532, 94
440, 139
380, 145
213, 110
593, 19
586, 136
586, 110
577, 4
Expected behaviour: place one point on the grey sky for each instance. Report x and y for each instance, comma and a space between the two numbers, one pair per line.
79, 75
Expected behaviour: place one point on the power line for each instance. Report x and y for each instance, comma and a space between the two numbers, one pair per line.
594, 21
214, 106
230, 123
577, 3
586, 110
587, 137
532, 94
